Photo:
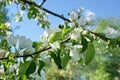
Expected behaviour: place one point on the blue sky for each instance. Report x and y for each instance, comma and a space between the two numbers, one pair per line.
101, 8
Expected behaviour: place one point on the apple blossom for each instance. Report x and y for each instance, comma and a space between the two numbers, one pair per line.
74, 53
75, 36
81, 21
72, 24
55, 45
49, 31
73, 16
12, 40
23, 43
7, 24
89, 17
110, 32
80, 10
1, 69
47, 34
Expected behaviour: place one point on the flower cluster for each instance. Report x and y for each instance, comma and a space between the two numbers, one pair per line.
22, 42
76, 18
111, 32
47, 35
74, 53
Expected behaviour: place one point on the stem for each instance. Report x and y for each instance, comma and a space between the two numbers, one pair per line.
30, 55
57, 15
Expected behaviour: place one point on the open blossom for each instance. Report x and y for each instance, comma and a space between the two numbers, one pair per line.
1, 69
55, 45
72, 24
80, 9
110, 32
12, 40
49, 31
73, 15
89, 16
74, 53
47, 34
81, 21
22, 42
7, 24
75, 36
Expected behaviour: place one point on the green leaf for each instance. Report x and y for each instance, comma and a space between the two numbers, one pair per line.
29, 14
37, 45
66, 31
89, 37
55, 37
65, 60
23, 77
41, 65
31, 69
89, 54
84, 43
23, 67
57, 58
113, 43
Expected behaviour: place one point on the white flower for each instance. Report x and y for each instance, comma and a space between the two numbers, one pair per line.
89, 16
45, 58
26, 44
17, 19
80, 9
75, 36
73, 16
44, 39
110, 31
55, 45
80, 21
7, 24
23, 43
43, 74
47, 34
1, 69
49, 31
11, 40
21, 13
72, 24
84, 32
74, 53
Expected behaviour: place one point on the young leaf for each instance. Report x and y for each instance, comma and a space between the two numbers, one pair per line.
89, 37
55, 37
23, 67
84, 43
57, 59
29, 15
37, 45
41, 65
23, 77
65, 60
31, 69
89, 54
66, 31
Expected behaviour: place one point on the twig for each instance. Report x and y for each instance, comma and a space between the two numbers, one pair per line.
57, 15
96, 34
46, 10
42, 3
30, 55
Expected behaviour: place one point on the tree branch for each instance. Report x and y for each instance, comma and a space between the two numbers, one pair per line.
29, 55
57, 15
62, 17
46, 10
42, 3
